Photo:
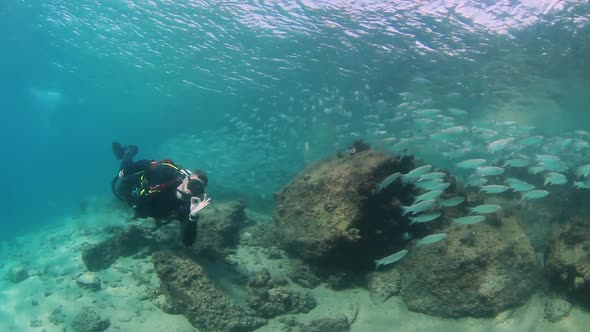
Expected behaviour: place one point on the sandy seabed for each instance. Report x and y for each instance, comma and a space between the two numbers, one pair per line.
50, 298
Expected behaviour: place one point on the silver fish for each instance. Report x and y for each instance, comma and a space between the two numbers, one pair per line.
452, 201
489, 170
485, 208
424, 217
390, 259
418, 207
389, 180
534, 194
494, 189
469, 220
430, 239
471, 163
429, 195
416, 173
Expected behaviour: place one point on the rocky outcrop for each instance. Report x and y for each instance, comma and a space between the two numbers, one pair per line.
384, 284
478, 271
88, 320
89, 281
17, 274
186, 285
219, 227
332, 213
271, 297
124, 242
567, 261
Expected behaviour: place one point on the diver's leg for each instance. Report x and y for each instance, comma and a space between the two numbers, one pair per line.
125, 154
188, 232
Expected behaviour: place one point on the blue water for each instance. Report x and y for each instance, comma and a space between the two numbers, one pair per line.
256, 80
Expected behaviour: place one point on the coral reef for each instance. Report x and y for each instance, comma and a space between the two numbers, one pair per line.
186, 285
303, 275
477, 271
332, 214
567, 261
556, 309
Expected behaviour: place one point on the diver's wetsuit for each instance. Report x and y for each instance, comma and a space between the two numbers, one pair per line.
163, 204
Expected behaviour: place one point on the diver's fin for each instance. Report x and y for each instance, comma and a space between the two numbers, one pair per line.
118, 150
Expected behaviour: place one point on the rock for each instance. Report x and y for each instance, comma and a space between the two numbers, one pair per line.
567, 261
36, 323
322, 324
123, 243
270, 298
262, 233
332, 214
88, 281
17, 274
219, 228
556, 309
303, 275
476, 271
187, 287
269, 303
87, 320
383, 285
57, 317
328, 324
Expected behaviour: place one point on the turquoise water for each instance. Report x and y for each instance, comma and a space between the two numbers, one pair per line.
254, 91
77, 75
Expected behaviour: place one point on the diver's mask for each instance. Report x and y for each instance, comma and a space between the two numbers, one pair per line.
196, 186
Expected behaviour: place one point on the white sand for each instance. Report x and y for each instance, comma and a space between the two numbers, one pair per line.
53, 258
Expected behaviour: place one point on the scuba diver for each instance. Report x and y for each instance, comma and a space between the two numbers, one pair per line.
161, 190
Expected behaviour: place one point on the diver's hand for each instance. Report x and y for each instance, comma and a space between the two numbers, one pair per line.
197, 205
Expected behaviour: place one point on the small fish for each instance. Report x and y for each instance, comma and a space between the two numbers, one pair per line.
418, 207
430, 239
441, 186
494, 189
534, 194
432, 175
416, 173
532, 140
521, 186
390, 259
489, 170
476, 182
429, 195
428, 184
469, 220
516, 163
454, 130
424, 217
581, 185
452, 201
456, 153
471, 163
485, 208
389, 180
582, 171
555, 178
536, 169
500, 144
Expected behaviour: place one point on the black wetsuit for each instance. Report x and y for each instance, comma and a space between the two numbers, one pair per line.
162, 204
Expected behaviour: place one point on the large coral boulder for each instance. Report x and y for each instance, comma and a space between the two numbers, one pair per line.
187, 287
567, 259
333, 214
478, 271
219, 227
